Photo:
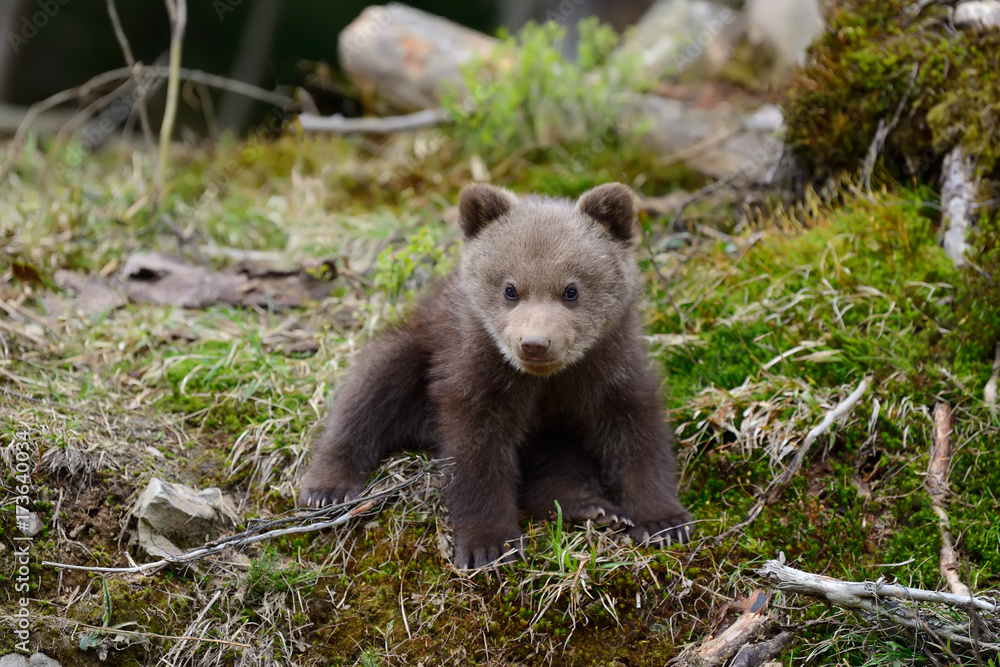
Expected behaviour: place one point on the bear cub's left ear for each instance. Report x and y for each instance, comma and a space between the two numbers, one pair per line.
613, 205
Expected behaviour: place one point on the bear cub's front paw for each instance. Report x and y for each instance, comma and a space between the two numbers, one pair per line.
487, 547
674, 529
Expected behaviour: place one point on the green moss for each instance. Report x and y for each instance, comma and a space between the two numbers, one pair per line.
872, 58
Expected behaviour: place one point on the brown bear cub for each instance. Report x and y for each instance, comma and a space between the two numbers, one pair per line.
527, 368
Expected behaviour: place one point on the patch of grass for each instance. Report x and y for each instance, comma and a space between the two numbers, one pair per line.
269, 573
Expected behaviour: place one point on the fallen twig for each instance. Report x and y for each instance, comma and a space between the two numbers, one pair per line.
777, 486
287, 524
882, 132
879, 600
833, 415
338, 124
84, 90
937, 487
137, 633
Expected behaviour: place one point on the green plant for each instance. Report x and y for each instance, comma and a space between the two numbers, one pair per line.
531, 100
399, 272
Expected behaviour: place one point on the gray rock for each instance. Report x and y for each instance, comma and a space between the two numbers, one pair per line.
717, 142
674, 35
787, 27
29, 522
36, 660
174, 515
984, 14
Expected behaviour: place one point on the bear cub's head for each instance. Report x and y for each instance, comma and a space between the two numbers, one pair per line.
548, 278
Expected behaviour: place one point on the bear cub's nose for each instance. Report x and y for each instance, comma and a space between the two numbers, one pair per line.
534, 345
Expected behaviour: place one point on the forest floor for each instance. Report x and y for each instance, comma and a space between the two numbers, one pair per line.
762, 315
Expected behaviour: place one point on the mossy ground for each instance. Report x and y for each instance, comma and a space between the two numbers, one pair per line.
782, 315
879, 60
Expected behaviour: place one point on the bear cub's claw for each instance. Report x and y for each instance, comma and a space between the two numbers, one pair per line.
323, 497
481, 552
664, 532
603, 516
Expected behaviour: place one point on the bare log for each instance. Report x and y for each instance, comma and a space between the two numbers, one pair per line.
957, 197
937, 487
719, 649
890, 604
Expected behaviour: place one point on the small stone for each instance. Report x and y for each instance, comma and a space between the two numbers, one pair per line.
175, 514
13, 660
42, 660
29, 522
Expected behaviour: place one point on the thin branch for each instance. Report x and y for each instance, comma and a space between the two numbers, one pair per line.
877, 599
296, 522
777, 486
139, 633
136, 68
84, 90
338, 124
833, 415
178, 22
882, 132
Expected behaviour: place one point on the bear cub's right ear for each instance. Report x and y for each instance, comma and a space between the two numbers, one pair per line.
481, 204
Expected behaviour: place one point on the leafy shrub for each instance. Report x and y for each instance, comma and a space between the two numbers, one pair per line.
529, 99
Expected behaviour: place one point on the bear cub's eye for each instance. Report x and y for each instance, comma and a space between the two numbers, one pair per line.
571, 293
510, 293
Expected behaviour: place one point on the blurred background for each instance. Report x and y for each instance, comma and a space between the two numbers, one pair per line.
58, 44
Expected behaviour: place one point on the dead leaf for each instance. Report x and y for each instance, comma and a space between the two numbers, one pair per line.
159, 278
91, 295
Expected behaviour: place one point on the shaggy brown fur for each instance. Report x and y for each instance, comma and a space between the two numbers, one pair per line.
526, 367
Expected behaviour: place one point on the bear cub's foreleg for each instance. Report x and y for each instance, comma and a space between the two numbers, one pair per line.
380, 408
